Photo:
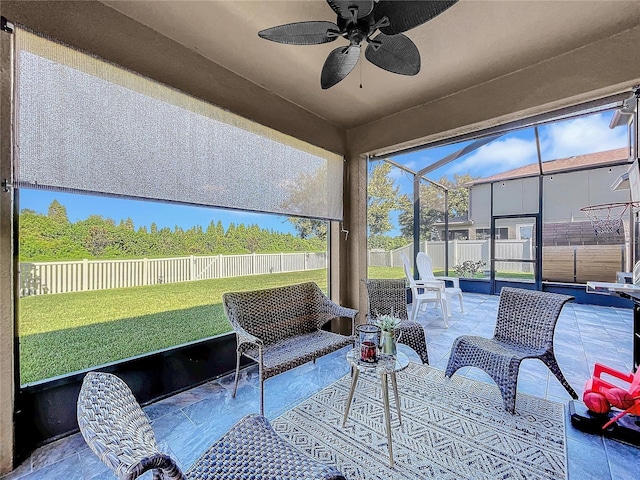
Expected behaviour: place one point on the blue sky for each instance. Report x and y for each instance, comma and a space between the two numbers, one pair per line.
558, 140
145, 213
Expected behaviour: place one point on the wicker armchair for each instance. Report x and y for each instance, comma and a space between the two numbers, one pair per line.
524, 329
389, 297
119, 433
281, 328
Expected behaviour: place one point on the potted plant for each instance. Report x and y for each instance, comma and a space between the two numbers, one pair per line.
469, 268
387, 324
471, 276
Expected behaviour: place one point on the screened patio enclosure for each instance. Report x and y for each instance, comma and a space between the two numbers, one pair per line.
519, 217
545, 56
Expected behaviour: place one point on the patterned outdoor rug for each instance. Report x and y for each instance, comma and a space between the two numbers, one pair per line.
451, 429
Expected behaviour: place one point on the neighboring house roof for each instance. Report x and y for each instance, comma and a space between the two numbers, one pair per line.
459, 219
578, 162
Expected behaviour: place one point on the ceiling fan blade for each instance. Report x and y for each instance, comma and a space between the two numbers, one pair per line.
338, 65
394, 53
407, 14
302, 33
342, 7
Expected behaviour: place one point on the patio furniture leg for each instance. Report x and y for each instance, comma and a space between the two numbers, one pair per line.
354, 379
261, 391
387, 415
414, 310
461, 305
395, 394
509, 396
505, 374
235, 387
445, 313
550, 361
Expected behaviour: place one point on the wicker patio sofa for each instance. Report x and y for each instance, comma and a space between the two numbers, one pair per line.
281, 328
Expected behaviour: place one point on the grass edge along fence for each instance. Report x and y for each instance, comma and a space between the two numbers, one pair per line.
39, 278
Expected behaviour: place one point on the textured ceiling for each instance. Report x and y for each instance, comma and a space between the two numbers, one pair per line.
471, 43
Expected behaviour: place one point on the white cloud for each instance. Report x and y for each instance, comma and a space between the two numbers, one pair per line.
418, 163
396, 173
498, 156
577, 136
580, 136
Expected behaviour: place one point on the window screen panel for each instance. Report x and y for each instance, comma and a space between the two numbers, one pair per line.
88, 126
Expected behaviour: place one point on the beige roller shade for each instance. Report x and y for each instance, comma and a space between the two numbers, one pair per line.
85, 125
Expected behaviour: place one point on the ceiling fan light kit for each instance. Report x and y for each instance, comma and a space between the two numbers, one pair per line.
358, 21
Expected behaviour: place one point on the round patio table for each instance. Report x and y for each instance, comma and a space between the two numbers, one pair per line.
386, 366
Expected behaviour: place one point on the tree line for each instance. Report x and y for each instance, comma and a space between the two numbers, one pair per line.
51, 236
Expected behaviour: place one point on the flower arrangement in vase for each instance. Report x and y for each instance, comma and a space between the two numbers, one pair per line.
387, 324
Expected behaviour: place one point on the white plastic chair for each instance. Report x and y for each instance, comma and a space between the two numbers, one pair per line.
425, 269
424, 292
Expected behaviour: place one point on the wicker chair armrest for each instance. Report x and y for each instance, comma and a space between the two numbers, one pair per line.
163, 466
242, 335
245, 337
334, 311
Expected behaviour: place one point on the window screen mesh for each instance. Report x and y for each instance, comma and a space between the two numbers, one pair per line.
85, 125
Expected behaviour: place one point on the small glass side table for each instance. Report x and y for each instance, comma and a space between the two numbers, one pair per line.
386, 366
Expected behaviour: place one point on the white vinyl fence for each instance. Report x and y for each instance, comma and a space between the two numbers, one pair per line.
572, 264
459, 251
39, 278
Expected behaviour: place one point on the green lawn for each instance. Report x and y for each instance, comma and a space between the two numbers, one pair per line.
386, 272
394, 272
398, 272
67, 332
63, 333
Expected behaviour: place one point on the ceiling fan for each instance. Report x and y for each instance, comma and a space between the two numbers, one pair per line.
357, 21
